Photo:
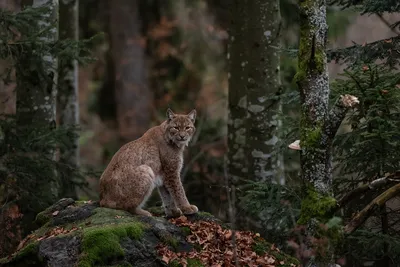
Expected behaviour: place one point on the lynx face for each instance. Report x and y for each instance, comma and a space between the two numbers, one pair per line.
181, 128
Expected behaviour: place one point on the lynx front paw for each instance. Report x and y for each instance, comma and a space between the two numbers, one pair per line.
192, 209
173, 212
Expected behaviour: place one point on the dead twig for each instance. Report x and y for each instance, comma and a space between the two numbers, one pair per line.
378, 202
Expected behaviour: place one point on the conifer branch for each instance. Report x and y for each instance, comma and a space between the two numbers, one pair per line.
388, 49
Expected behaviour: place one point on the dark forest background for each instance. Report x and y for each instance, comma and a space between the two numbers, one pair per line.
138, 58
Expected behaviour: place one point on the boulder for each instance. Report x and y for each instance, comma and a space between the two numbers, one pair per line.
80, 233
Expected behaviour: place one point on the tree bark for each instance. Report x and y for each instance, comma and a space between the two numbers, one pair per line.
237, 104
318, 125
254, 88
263, 89
67, 97
36, 92
133, 97
7, 88
237, 99
37, 85
36, 79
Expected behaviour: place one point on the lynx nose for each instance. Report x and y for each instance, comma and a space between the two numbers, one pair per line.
182, 136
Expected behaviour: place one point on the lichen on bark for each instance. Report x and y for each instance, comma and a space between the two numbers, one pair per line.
318, 125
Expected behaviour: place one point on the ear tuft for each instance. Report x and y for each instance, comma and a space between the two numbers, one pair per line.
192, 115
170, 114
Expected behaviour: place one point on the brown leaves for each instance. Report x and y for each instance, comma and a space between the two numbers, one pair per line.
217, 248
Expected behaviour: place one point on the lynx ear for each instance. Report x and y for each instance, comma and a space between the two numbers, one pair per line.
192, 115
170, 114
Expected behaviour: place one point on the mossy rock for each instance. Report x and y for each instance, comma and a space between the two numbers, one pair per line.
82, 234
90, 235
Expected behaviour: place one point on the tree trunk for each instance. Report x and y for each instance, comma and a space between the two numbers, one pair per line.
254, 88
318, 125
237, 105
37, 85
7, 88
313, 82
67, 97
36, 92
263, 89
133, 97
36, 78
237, 99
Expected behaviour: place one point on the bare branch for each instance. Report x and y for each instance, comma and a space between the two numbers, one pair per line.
338, 112
375, 184
378, 202
387, 23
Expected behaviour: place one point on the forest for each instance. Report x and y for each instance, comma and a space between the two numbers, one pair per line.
295, 156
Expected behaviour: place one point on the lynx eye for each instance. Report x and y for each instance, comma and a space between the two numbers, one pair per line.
188, 127
176, 128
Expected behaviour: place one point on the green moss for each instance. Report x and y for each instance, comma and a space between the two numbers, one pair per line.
313, 137
100, 244
204, 213
109, 216
308, 63
174, 263
25, 257
319, 60
194, 263
261, 247
310, 136
156, 211
317, 206
81, 202
42, 218
186, 230
170, 241
190, 263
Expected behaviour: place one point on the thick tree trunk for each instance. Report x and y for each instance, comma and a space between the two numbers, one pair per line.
263, 89
318, 125
254, 85
37, 85
237, 107
67, 97
36, 78
237, 99
133, 97
36, 92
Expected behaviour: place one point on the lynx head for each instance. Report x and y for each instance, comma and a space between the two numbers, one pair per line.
180, 127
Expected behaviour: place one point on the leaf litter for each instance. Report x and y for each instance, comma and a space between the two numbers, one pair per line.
216, 248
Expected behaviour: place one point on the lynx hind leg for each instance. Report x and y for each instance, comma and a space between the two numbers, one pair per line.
139, 189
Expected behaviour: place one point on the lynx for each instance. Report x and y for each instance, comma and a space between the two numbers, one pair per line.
153, 160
